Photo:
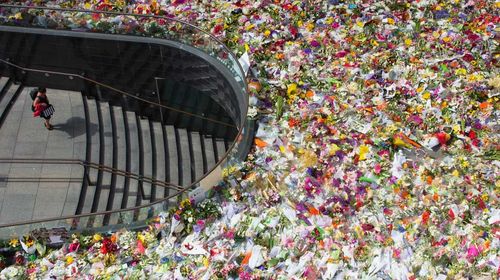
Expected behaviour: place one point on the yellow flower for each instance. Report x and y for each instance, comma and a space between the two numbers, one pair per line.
360, 23
426, 95
310, 26
420, 89
267, 33
97, 237
291, 88
13, 242
141, 238
446, 39
390, 21
455, 173
333, 149
363, 150
186, 202
408, 42
69, 260
460, 71
30, 242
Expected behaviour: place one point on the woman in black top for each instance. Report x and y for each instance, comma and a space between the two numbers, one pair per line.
41, 98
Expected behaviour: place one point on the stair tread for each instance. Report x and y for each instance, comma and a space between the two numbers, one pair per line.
3, 81
147, 154
221, 148
209, 152
160, 158
172, 153
186, 162
5, 100
121, 153
108, 141
134, 156
94, 132
197, 153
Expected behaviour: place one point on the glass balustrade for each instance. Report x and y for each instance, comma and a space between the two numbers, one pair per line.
156, 27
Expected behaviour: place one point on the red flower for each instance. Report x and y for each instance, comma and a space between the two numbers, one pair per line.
468, 57
451, 214
425, 217
293, 31
73, 246
108, 246
472, 135
367, 227
442, 137
218, 29
20, 259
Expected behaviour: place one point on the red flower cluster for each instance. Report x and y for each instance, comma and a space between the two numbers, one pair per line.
108, 246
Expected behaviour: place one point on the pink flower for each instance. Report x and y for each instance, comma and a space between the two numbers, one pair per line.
341, 54
73, 247
472, 252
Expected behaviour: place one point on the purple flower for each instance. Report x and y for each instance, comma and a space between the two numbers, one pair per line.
315, 43
442, 14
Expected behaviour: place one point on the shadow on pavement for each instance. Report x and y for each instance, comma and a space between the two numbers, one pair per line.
75, 126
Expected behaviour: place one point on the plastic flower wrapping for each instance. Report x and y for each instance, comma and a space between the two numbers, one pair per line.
376, 155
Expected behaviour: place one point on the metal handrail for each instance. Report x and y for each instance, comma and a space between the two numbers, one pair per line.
222, 159
117, 90
93, 165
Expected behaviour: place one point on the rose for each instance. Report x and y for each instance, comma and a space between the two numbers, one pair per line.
73, 247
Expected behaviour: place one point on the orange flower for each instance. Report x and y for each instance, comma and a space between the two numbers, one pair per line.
484, 105
260, 143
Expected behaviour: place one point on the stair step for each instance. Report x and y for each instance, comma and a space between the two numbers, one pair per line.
108, 142
147, 155
103, 199
121, 152
209, 152
3, 82
6, 98
221, 148
172, 154
160, 158
173, 161
197, 154
134, 157
94, 138
185, 163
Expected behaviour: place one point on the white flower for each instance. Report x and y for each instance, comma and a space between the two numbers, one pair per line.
10, 272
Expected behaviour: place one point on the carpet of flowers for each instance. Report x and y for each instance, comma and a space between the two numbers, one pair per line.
376, 157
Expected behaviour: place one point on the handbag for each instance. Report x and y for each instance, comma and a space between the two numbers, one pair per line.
47, 112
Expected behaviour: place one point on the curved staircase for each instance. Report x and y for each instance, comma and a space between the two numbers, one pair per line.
110, 134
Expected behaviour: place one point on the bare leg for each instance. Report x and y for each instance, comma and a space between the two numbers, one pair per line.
47, 124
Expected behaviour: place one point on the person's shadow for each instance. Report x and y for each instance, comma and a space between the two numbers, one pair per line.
75, 126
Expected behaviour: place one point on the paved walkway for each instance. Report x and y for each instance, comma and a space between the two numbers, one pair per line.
23, 136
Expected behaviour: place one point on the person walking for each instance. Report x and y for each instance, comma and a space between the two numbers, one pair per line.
41, 107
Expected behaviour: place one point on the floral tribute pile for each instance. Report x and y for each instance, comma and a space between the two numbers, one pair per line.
376, 156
